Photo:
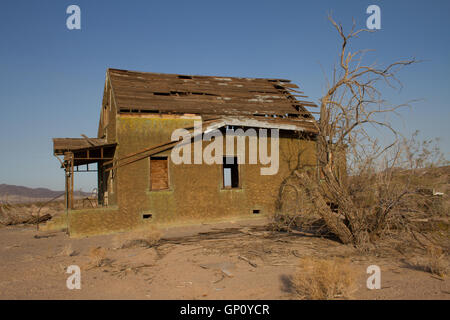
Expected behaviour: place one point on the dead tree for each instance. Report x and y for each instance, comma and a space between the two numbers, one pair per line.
352, 102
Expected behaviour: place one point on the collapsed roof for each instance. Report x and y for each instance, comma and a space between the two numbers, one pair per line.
145, 92
258, 102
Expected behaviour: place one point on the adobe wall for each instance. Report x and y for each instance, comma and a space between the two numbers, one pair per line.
196, 192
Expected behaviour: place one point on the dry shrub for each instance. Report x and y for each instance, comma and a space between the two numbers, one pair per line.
282, 222
436, 261
311, 223
145, 237
98, 257
68, 251
322, 279
15, 214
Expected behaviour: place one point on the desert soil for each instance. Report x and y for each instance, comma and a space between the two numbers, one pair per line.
232, 260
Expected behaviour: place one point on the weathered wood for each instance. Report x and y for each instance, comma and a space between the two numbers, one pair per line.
159, 175
136, 91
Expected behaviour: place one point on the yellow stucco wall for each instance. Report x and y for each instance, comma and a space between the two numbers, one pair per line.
195, 191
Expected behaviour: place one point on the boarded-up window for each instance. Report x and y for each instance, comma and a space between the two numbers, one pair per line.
159, 173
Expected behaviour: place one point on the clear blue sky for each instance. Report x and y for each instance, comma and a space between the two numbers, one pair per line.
51, 78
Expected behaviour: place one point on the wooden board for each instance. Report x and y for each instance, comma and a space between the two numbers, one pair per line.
159, 173
168, 93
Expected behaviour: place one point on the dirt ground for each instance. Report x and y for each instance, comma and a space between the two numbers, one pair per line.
232, 260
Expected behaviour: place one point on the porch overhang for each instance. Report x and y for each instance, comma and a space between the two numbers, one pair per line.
84, 151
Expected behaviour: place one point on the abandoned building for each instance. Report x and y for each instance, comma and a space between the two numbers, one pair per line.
138, 183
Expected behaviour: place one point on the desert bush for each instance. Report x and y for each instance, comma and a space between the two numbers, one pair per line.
366, 207
305, 222
282, 222
144, 237
436, 261
379, 198
97, 257
68, 251
323, 279
14, 214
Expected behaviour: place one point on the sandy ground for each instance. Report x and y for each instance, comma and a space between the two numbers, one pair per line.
211, 261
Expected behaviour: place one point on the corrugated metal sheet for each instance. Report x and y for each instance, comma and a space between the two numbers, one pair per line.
305, 125
144, 92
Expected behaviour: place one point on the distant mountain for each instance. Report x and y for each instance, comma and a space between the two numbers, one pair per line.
7, 190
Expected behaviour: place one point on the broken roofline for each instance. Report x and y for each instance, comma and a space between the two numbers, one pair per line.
145, 92
271, 123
